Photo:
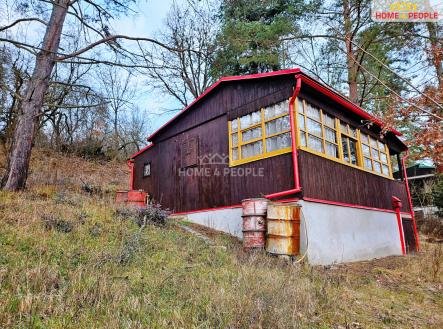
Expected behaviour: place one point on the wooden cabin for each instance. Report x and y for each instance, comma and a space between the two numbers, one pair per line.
285, 136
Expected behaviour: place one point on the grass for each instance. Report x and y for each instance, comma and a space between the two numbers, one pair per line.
67, 261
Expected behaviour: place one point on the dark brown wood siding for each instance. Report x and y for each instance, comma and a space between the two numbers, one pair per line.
179, 188
324, 179
204, 129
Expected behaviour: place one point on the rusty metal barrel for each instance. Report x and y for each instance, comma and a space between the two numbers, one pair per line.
283, 229
254, 223
137, 198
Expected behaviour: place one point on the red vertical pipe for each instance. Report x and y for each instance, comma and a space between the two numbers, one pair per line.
297, 187
405, 177
130, 164
396, 203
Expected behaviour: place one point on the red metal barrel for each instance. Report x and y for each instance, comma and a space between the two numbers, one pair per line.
254, 223
137, 198
121, 197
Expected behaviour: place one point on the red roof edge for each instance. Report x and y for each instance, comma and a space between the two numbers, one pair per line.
141, 151
229, 78
336, 96
326, 90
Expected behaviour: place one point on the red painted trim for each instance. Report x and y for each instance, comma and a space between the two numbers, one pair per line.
350, 205
344, 101
328, 91
397, 205
130, 164
297, 187
141, 151
411, 208
206, 209
224, 207
223, 79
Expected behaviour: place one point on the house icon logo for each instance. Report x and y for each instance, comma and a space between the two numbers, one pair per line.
213, 159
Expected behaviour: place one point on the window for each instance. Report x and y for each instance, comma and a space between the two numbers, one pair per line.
349, 142
322, 134
260, 134
317, 130
375, 155
147, 169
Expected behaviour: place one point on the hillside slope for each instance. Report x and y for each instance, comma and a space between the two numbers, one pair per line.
70, 259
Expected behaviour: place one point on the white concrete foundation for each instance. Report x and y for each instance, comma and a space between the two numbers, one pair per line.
227, 220
330, 234
338, 234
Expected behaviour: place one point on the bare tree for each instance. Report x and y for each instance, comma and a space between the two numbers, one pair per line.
117, 90
93, 17
185, 74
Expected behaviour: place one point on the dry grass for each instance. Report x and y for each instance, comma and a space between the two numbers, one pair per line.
51, 277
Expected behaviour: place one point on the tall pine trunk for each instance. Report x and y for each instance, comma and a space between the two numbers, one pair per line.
31, 105
350, 55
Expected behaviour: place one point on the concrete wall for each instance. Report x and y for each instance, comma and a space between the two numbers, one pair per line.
331, 234
227, 220
339, 234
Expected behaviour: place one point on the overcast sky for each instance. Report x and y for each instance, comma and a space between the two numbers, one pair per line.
146, 23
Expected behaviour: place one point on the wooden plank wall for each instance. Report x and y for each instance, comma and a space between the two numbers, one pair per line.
324, 179
207, 122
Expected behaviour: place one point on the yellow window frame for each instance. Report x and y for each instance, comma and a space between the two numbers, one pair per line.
265, 154
340, 159
379, 151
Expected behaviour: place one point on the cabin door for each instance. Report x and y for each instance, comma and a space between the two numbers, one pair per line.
408, 231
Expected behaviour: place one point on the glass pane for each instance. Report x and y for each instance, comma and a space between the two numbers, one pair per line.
380, 145
315, 143
255, 117
303, 139
353, 131
374, 154
251, 134
278, 142
314, 127
384, 158
373, 142
343, 128
332, 150
364, 138
329, 121
277, 125
269, 112
234, 125
368, 163
344, 144
300, 105
312, 112
301, 121
245, 121
252, 149
385, 170
234, 139
377, 167
366, 150
282, 108
257, 148
330, 135
235, 153
353, 148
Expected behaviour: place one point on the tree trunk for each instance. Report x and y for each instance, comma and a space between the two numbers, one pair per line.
30, 108
436, 51
350, 56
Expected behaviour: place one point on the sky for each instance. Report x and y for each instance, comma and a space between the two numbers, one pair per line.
146, 23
